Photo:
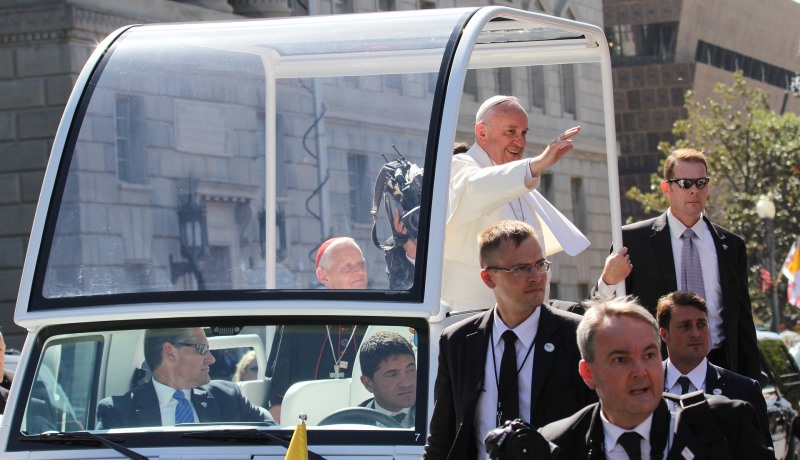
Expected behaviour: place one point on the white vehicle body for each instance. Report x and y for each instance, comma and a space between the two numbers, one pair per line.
248, 119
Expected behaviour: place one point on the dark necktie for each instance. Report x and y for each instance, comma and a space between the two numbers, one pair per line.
183, 411
631, 442
691, 272
508, 391
399, 417
684, 382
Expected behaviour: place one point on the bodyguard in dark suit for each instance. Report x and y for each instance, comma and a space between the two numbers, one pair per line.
180, 390
651, 263
619, 345
682, 319
470, 386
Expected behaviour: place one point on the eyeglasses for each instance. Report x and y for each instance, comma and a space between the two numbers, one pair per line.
524, 269
202, 348
700, 182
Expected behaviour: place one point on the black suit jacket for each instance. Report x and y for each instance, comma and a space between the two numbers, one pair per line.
218, 401
557, 389
723, 382
409, 422
580, 437
650, 248
5, 385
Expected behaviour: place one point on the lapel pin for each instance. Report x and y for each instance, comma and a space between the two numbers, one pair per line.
687, 454
548, 347
204, 404
717, 391
724, 247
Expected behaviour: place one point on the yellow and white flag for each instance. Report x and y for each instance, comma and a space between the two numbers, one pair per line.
298, 448
791, 270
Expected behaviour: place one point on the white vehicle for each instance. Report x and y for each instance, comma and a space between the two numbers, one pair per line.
197, 169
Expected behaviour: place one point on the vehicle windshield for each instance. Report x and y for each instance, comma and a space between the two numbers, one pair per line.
220, 164
343, 375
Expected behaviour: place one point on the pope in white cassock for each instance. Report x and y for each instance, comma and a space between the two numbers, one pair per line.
492, 182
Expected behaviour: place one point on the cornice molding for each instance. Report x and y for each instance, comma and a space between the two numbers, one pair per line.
65, 22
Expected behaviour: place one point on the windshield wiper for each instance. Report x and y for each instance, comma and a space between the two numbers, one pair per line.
84, 438
255, 436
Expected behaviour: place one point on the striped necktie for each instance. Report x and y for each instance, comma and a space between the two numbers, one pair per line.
183, 411
691, 271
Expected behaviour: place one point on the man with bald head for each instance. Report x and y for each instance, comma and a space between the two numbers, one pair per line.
340, 264
181, 390
491, 182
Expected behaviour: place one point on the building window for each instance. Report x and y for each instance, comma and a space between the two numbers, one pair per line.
504, 83
131, 164
568, 88
642, 43
722, 58
427, 4
393, 82
471, 84
386, 5
342, 6
583, 290
554, 291
536, 78
359, 187
430, 80
578, 203
546, 187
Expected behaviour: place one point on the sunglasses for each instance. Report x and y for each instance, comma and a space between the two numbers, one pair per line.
700, 182
201, 348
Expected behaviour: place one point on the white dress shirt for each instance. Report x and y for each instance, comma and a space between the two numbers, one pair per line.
167, 404
406, 420
486, 412
697, 377
708, 264
611, 434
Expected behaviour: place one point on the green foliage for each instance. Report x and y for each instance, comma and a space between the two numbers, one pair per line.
751, 150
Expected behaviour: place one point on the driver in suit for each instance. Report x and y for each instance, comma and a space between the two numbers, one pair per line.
389, 372
181, 390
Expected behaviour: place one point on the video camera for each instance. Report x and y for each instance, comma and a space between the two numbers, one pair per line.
517, 440
399, 187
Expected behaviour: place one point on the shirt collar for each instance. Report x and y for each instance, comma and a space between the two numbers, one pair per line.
525, 331
697, 375
677, 228
165, 393
612, 432
380, 409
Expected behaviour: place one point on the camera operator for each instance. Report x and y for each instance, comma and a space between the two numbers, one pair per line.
398, 188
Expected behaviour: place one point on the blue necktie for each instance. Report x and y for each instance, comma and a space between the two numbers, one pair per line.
183, 412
